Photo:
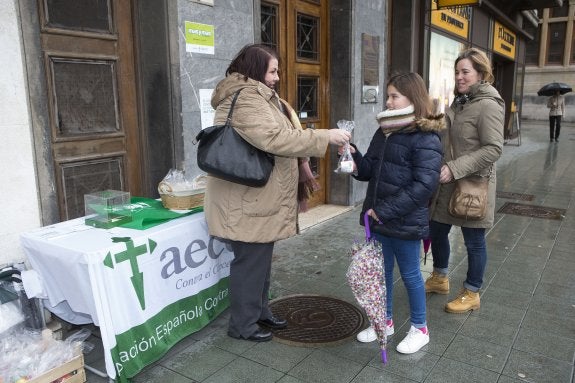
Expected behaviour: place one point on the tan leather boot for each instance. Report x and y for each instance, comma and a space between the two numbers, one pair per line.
437, 284
466, 300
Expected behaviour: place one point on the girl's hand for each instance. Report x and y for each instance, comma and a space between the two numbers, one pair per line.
341, 149
446, 175
372, 214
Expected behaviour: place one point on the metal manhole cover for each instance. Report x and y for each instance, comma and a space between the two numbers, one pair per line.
315, 319
532, 211
517, 196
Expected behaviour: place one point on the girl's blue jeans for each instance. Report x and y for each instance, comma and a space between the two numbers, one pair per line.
476, 252
406, 252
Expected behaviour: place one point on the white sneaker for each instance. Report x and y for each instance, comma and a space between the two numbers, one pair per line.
413, 342
369, 335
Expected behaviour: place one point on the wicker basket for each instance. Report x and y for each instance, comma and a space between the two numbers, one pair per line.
180, 200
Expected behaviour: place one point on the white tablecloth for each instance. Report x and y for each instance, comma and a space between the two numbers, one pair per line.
146, 289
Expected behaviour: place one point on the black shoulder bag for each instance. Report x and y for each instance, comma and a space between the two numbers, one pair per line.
223, 153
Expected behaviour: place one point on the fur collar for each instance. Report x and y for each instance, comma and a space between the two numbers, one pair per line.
434, 123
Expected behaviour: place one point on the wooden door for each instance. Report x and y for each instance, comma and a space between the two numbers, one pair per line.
89, 64
298, 30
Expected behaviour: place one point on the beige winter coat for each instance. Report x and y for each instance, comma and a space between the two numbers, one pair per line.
475, 131
556, 105
269, 213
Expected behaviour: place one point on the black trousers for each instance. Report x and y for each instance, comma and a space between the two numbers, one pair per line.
554, 127
250, 273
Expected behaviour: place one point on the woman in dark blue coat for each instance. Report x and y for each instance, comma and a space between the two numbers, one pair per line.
402, 166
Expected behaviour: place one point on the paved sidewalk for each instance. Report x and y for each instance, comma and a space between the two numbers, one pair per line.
524, 331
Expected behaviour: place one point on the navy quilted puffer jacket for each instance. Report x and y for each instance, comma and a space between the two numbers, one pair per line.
403, 172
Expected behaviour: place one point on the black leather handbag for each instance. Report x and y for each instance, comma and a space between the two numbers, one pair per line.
223, 153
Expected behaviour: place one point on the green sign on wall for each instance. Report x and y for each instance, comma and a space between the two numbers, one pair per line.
199, 38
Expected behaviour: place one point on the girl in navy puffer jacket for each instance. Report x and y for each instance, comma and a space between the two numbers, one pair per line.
402, 166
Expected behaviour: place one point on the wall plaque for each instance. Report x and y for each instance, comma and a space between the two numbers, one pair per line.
369, 68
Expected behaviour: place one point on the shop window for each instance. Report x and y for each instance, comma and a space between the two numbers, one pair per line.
443, 52
556, 43
532, 46
269, 25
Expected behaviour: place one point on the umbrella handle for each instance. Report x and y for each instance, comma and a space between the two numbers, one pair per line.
366, 224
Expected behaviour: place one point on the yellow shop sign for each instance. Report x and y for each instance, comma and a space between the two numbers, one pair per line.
504, 41
454, 20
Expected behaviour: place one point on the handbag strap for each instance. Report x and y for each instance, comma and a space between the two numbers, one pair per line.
228, 119
230, 113
488, 176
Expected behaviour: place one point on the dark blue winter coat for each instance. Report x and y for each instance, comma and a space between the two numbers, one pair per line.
403, 172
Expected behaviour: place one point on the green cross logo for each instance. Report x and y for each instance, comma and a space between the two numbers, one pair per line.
131, 254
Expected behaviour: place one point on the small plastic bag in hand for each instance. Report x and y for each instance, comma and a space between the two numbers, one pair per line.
345, 163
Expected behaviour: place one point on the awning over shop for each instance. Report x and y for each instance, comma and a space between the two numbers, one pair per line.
520, 5
503, 10
508, 5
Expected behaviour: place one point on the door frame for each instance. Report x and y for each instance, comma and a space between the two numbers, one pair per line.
39, 93
289, 63
39, 116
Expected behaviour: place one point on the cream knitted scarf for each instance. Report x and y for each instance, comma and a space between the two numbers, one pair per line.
391, 120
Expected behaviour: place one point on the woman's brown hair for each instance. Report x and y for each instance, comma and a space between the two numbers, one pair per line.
412, 86
252, 61
479, 61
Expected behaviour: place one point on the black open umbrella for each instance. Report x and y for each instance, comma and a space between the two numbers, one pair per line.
552, 87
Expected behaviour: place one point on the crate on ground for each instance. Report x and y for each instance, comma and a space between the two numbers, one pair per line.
69, 372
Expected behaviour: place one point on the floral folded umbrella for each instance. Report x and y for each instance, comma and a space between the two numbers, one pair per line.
366, 278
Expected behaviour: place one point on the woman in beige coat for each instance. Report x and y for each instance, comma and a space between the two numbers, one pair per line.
252, 219
556, 105
471, 145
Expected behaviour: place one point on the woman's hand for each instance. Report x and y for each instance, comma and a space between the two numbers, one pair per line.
446, 175
338, 136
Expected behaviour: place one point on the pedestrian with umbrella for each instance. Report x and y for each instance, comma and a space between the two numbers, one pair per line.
556, 105
402, 166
